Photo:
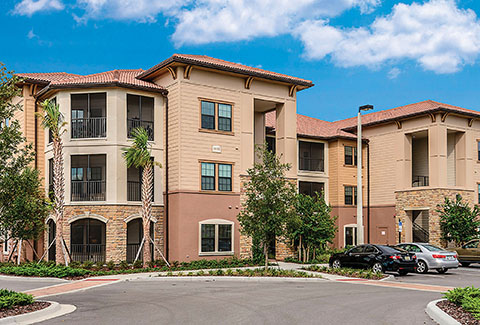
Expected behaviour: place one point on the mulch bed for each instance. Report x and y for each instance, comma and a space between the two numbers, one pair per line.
18, 310
457, 312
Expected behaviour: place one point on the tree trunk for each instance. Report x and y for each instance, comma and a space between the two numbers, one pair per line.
59, 197
304, 253
19, 255
300, 249
147, 182
314, 250
308, 254
265, 251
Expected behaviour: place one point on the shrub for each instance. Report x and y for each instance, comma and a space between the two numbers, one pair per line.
88, 265
468, 298
110, 265
9, 299
124, 265
137, 264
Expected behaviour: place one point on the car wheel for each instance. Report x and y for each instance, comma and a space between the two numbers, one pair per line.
422, 267
402, 272
442, 271
337, 264
465, 264
377, 268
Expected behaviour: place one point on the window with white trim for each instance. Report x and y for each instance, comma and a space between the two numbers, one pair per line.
216, 237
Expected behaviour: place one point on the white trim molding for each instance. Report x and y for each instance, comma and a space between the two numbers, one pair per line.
136, 216
88, 215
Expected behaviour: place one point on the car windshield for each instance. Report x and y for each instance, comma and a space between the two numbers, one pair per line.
391, 249
432, 248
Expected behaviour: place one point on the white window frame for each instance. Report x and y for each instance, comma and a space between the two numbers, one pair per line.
352, 225
215, 222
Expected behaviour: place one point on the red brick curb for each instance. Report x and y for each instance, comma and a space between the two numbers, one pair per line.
69, 287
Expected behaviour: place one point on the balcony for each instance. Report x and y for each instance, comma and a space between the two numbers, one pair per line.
94, 127
135, 123
312, 164
88, 252
419, 181
134, 191
88, 190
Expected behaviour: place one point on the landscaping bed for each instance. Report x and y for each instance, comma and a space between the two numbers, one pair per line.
261, 272
347, 272
77, 271
463, 304
14, 303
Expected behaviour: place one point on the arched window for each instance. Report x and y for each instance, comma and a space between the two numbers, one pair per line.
87, 240
52, 229
134, 239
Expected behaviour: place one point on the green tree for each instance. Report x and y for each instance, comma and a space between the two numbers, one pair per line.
313, 226
458, 221
23, 205
54, 123
270, 199
139, 156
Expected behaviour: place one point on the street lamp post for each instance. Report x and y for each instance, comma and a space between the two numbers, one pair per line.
360, 232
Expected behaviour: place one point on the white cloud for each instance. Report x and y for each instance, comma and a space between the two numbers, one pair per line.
31, 34
436, 34
394, 73
29, 7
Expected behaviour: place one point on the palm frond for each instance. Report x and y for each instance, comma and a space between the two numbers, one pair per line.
52, 119
139, 154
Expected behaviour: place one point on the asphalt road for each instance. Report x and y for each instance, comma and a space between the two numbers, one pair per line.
461, 277
240, 302
24, 284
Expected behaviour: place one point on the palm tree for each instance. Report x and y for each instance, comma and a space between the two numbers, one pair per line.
139, 156
53, 121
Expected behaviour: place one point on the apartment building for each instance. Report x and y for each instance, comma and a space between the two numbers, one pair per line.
204, 117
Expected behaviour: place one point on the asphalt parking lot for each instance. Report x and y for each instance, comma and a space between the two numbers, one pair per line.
245, 302
25, 283
461, 277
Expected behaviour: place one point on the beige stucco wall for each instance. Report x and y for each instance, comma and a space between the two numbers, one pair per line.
111, 145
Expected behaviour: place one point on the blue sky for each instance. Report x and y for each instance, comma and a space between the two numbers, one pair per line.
381, 52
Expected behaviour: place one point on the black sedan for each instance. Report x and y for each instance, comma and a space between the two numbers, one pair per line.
379, 258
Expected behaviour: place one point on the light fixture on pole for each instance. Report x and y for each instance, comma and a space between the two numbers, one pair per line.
360, 232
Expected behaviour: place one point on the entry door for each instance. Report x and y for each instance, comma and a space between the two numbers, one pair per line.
382, 235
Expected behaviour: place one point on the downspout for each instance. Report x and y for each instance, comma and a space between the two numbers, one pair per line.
368, 191
36, 133
166, 203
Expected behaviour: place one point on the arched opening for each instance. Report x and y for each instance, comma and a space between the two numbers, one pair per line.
52, 229
134, 239
87, 240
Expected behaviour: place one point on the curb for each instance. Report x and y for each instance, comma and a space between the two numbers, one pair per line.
233, 278
54, 310
439, 315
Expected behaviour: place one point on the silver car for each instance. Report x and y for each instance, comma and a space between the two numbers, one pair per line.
430, 257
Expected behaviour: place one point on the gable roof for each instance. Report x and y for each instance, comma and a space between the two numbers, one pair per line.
218, 64
113, 78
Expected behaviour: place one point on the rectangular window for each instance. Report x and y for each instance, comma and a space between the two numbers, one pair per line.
350, 155
478, 193
478, 150
350, 195
224, 177
216, 238
311, 188
89, 115
208, 176
208, 115
216, 116
311, 156
225, 117
140, 111
88, 177
271, 143
216, 176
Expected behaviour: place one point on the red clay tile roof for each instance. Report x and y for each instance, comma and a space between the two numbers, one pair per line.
312, 127
113, 78
45, 77
411, 110
209, 62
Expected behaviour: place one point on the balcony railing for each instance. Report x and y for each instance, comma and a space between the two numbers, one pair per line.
88, 190
88, 252
134, 191
132, 250
419, 181
312, 164
134, 123
94, 127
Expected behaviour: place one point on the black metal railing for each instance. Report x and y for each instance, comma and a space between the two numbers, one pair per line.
134, 123
94, 127
312, 164
134, 191
420, 234
419, 181
88, 190
132, 251
88, 252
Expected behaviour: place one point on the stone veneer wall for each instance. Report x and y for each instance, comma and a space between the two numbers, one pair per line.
427, 198
282, 250
116, 227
